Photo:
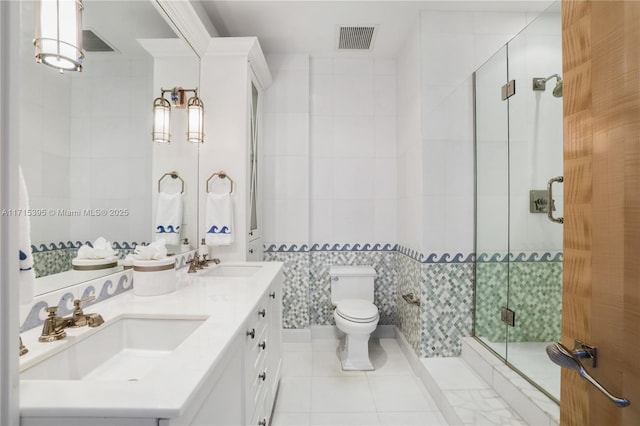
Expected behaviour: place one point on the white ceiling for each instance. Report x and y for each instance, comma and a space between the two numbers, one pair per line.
310, 26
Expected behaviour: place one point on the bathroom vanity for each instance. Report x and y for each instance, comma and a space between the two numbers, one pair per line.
209, 353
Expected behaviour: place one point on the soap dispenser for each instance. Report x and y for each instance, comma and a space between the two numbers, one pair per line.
185, 247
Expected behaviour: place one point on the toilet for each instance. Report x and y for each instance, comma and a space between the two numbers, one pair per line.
355, 313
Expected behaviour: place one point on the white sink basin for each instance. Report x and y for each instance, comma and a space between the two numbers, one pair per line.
232, 271
124, 349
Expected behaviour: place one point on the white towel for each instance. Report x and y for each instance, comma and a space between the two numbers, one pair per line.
99, 249
27, 276
219, 220
169, 217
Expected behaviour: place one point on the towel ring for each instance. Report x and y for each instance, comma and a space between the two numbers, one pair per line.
174, 175
221, 175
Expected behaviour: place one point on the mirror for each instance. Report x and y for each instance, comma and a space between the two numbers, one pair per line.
85, 137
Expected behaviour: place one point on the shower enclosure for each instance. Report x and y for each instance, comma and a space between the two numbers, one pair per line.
518, 283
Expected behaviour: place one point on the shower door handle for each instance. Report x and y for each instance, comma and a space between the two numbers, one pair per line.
550, 204
562, 356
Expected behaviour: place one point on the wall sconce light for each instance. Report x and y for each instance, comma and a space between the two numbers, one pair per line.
162, 115
58, 38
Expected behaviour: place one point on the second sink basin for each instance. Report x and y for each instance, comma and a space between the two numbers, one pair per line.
124, 349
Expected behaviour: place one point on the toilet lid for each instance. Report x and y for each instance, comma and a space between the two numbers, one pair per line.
357, 310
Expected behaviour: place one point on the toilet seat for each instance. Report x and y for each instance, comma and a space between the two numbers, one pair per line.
357, 310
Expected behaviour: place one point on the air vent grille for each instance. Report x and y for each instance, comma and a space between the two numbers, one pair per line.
356, 37
92, 43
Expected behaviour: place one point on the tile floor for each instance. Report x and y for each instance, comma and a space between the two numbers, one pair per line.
315, 391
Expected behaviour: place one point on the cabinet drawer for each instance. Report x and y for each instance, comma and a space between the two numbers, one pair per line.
258, 389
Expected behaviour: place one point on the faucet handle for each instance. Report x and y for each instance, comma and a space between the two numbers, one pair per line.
79, 302
53, 311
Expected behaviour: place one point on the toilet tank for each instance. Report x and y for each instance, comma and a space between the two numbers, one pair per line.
352, 282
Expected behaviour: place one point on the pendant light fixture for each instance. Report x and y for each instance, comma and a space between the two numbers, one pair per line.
162, 115
58, 38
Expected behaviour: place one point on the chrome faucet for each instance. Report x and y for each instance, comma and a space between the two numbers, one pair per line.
54, 326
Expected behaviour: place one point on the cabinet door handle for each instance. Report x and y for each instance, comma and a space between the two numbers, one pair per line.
252, 333
262, 376
272, 295
263, 345
262, 422
251, 251
262, 313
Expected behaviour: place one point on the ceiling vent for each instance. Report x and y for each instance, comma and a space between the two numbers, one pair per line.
356, 37
91, 42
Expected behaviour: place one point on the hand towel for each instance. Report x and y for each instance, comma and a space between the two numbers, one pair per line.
27, 275
219, 220
99, 249
169, 217
153, 251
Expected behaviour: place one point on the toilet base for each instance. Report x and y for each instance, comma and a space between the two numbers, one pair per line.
354, 354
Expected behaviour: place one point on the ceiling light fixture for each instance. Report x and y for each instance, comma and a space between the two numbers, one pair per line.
58, 38
162, 115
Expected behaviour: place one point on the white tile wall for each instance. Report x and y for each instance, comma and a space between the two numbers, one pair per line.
353, 158
331, 154
286, 134
447, 118
44, 144
409, 140
110, 155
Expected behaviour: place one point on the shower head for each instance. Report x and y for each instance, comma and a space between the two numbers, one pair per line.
557, 91
560, 355
540, 84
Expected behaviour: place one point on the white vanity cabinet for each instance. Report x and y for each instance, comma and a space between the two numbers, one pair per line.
243, 387
263, 356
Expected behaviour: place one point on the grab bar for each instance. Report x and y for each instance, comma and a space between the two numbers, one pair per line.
411, 299
550, 205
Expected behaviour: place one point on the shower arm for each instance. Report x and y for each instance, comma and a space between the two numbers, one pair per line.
540, 83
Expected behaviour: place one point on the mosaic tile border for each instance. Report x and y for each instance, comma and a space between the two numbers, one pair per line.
435, 257
304, 248
520, 257
61, 245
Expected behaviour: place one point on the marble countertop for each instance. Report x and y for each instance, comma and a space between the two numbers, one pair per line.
167, 390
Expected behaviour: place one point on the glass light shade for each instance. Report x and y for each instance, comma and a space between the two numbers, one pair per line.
161, 121
58, 38
195, 120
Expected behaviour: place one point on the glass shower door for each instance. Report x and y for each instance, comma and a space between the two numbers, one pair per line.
518, 249
492, 202
535, 157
